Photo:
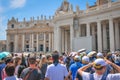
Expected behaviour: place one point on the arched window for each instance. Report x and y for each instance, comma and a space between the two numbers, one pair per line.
12, 26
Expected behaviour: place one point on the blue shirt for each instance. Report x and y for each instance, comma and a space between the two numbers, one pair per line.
73, 68
1, 68
12, 78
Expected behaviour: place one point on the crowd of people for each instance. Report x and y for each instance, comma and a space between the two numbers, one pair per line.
80, 65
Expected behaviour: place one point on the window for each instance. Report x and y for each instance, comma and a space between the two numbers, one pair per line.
47, 49
47, 36
12, 26
11, 47
47, 24
27, 41
41, 47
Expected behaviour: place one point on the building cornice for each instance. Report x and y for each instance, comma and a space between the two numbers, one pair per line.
100, 11
29, 30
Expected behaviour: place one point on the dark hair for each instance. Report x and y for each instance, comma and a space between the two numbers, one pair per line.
48, 56
32, 60
8, 60
10, 69
55, 56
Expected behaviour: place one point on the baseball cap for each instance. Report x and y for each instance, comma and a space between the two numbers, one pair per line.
85, 59
99, 63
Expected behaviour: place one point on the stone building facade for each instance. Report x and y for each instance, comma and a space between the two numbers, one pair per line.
2, 45
96, 28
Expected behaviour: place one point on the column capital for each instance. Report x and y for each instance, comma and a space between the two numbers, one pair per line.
111, 18
98, 21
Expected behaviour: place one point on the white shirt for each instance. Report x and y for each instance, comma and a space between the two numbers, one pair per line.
86, 76
56, 72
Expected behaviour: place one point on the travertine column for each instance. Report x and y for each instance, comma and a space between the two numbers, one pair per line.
16, 43
37, 42
80, 30
63, 40
99, 36
71, 36
104, 37
8, 39
59, 44
55, 38
117, 37
66, 41
93, 38
111, 33
88, 29
23, 42
52, 41
44, 42
49, 41
32, 42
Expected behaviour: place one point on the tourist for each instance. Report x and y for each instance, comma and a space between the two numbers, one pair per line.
74, 67
32, 72
8, 61
2, 66
100, 71
56, 71
10, 70
43, 66
17, 62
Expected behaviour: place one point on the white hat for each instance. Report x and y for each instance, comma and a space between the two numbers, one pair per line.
90, 54
72, 54
99, 62
81, 50
43, 56
100, 54
77, 57
85, 58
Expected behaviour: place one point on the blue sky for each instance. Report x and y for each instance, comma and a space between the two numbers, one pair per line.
29, 8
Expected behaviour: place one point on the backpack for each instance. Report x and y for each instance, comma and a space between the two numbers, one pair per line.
20, 69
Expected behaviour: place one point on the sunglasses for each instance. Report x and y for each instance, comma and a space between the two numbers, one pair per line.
98, 66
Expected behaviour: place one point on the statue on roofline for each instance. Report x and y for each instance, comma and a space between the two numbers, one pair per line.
64, 7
